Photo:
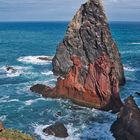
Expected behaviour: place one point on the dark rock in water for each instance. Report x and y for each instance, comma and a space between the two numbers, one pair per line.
57, 130
45, 58
43, 89
58, 114
89, 61
138, 93
9, 68
127, 125
38, 88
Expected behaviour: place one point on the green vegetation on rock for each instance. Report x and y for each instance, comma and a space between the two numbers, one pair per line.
8, 134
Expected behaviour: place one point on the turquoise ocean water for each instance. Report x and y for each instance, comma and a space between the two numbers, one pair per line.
20, 45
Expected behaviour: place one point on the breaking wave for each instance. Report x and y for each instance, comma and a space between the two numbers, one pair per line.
135, 43
14, 71
38, 60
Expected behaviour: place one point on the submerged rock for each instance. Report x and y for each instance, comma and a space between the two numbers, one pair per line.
58, 130
127, 125
9, 68
58, 114
43, 89
39, 88
88, 62
137, 93
47, 58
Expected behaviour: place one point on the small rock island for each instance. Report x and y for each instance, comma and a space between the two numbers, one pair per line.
87, 62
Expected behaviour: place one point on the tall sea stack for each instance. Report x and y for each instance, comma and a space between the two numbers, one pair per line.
88, 62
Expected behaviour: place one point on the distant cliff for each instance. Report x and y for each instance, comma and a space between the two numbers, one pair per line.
88, 62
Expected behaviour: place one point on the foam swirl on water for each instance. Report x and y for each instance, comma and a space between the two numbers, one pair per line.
135, 43
43, 136
38, 60
129, 69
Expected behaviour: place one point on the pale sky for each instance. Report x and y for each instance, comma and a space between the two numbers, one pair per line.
63, 10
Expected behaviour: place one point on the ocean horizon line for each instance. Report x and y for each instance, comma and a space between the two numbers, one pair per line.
53, 21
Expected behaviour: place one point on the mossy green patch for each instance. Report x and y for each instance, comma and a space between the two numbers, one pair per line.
14, 135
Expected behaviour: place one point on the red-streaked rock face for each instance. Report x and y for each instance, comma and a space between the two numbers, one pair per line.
89, 62
95, 88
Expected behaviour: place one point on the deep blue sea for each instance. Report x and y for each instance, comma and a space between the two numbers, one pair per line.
20, 45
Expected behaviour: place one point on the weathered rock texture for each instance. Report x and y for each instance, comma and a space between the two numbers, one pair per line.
88, 61
127, 125
58, 130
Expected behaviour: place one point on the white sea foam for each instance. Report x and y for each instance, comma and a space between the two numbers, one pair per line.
135, 43
3, 118
4, 99
127, 52
14, 100
130, 79
8, 100
99, 131
47, 73
30, 102
130, 69
51, 82
35, 59
130, 52
16, 74
17, 71
39, 131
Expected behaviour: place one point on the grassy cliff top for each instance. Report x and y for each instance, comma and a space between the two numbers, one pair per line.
9, 134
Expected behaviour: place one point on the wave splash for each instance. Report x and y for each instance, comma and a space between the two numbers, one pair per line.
130, 69
36, 60
135, 43
14, 71
43, 136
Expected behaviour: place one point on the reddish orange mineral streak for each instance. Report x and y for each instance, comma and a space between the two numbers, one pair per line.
95, 90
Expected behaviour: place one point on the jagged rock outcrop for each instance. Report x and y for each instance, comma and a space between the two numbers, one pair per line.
88, 61
58, 130
127, 125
